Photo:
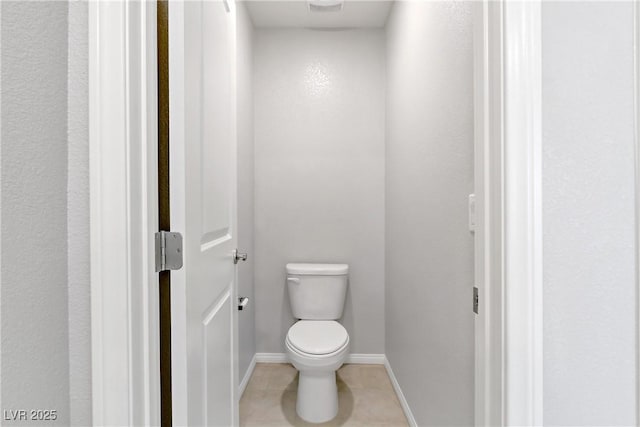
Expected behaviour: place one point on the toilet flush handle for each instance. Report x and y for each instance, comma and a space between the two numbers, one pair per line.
293, 280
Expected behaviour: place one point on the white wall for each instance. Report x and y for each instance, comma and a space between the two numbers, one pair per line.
46, 310
588, 198
79, 304
35, 342
246, 317
429, 250
319, 173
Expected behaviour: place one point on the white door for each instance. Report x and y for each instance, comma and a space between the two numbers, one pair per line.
203, 208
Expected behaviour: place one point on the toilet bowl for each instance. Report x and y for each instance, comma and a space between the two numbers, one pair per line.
317, 345
317, 348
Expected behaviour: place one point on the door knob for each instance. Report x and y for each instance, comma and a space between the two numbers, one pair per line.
239, 256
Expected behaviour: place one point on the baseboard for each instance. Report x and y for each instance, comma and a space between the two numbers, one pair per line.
247, 376
354, 358
403, 402
365, 359
271, 358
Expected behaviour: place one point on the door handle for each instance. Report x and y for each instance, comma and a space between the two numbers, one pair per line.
239, 256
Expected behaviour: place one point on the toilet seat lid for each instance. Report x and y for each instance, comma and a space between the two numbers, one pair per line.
317, 336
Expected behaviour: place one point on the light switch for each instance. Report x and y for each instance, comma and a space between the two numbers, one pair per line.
472, 213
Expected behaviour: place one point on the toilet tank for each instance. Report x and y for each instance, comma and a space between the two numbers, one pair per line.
317, 291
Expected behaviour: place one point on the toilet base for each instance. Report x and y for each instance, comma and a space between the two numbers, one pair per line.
317, 396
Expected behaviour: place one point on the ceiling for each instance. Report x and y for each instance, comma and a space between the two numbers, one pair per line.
296, 14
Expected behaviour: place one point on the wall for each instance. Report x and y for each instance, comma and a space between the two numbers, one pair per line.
246, 317
429, 250
588, 214
319, 173
79, 280
35, 343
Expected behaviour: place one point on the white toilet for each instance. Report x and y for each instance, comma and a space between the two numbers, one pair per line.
316, 344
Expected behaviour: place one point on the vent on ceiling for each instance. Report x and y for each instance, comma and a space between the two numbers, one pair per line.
325, 5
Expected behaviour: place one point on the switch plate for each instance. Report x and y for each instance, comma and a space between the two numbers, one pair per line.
472, 213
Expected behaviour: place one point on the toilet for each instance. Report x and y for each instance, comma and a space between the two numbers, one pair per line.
317, 345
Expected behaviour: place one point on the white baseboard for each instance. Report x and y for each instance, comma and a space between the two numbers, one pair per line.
401, 398
365, 359
247, 376
354, 358
271, 358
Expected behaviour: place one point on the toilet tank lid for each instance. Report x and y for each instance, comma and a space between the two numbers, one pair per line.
318, 269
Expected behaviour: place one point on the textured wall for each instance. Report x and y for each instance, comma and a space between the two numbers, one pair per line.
78, 216
35, 344
319, 173
246, 317
429, 250
588, 198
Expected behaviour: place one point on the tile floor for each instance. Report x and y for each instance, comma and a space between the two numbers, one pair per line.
366, 398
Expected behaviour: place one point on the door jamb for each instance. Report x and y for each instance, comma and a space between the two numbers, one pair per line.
508, 75
123, 162
123, 213
636, 106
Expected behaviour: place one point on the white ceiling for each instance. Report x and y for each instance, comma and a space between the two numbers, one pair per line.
296, 14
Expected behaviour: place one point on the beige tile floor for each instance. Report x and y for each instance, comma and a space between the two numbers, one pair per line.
365, 394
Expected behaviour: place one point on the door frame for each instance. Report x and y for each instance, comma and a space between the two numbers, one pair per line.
508, 182
636, 106
123, 213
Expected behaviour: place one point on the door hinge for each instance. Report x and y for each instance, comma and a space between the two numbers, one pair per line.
476, 300
168, 251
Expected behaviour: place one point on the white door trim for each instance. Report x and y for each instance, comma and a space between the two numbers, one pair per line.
636, 106
488, 195
509, 243
123, 164
523, 212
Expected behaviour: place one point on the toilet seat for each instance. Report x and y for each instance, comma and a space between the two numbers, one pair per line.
317, 337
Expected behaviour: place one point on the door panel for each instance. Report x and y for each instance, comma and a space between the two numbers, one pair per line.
203, 208
217, 124
217, 366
